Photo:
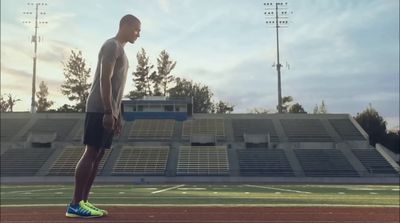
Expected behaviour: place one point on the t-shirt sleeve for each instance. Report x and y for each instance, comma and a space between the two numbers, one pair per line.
110, 52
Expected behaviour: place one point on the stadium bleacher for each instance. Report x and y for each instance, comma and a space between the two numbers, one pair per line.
226, 145
325, 163
214, 127
10, 127
142, 160
62, 127
24, 161
373, 161
346, 129
263, 162
203, 160
152, 129
254, 126
66, 162
305, 130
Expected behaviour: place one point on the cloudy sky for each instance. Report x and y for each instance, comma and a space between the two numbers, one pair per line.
345, 52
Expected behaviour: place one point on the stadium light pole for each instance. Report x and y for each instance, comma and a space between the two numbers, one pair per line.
276, 15
35, 40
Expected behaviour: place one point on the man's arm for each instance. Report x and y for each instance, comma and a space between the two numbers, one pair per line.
105, 83
106, 73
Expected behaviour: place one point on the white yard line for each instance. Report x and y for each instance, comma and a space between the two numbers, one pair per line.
274, 188
192, 188
167, 189
29, 191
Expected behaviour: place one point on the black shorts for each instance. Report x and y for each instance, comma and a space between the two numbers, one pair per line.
94, 133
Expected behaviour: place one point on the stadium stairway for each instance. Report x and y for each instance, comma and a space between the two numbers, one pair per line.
44, 170
173, 157
355, 162
24, 130
112, 159
294, 163
280, 131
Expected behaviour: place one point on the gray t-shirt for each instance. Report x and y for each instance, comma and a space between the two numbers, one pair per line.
110, 51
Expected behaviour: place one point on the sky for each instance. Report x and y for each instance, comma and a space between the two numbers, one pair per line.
344, 52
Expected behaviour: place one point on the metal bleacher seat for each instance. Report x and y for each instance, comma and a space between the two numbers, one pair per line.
66, 162
373, 161
346, 129
10, 127
214, 127
60, 126
254, 126
142, 160
325, 163
24, 162
263, 162
305, 130
152, 129
202, 160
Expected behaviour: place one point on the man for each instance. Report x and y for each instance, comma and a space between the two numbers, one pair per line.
103, 114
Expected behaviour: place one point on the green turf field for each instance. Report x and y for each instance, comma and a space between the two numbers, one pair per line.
208, 195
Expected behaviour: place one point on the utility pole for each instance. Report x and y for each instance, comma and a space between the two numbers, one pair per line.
276, 15
35, 39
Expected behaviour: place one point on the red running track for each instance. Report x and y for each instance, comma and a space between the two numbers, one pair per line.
210, 215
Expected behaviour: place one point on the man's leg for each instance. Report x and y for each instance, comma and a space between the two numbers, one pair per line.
83, 171
93, 174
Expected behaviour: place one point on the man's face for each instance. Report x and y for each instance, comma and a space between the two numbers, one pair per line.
133, 32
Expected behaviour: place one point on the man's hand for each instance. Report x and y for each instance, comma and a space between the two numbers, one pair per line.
108, 122
118, 127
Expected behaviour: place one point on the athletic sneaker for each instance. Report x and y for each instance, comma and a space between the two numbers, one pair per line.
89, 205
82, 211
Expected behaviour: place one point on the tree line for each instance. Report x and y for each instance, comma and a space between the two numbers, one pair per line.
148, 79
159, 80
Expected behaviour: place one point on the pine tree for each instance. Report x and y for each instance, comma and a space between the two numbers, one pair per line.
164, 77
321, 109
42, 103
141, 77
76, 86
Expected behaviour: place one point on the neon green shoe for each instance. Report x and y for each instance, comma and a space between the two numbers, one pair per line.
91, 206
82, 211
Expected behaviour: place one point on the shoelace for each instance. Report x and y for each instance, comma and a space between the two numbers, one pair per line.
92, 206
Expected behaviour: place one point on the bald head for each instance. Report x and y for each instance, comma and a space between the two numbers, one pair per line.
129, 28
128, 20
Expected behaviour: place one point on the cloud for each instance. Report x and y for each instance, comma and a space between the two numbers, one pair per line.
17, 79
57, 21
14, 49
55, 52
164, 5
19, 83
343, 52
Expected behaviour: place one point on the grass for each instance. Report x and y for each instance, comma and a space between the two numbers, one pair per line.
237, 195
